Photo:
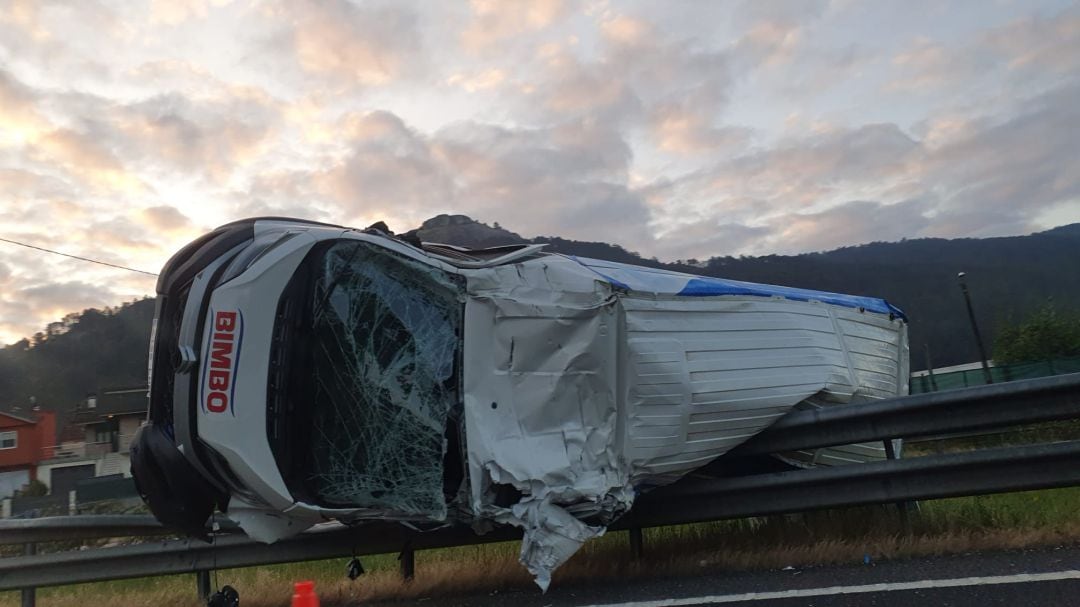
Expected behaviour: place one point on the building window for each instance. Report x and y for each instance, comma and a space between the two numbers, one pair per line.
9, 440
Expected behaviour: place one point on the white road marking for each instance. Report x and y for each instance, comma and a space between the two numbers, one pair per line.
866, 588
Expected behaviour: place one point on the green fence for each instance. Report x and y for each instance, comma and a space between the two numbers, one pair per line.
1000, 373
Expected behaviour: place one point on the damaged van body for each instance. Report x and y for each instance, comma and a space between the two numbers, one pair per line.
304, 372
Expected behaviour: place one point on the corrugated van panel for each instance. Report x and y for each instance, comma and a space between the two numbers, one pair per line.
706, 374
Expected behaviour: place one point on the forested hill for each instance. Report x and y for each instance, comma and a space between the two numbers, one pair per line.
76, 356
1008, 278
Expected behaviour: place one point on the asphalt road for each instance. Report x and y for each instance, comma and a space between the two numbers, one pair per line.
1033, 577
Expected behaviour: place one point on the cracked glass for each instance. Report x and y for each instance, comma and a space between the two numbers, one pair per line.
385, 341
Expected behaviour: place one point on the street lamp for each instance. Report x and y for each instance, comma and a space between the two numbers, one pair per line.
975, 327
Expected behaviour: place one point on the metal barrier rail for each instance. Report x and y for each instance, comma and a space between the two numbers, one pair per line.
80, 527
193, 556
92, 526
934, 413
693, 499
689, 501
1022, 468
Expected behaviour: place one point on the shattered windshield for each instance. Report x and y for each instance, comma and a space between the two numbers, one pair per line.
380, 383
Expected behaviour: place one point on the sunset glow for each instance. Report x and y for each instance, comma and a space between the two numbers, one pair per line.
676, 130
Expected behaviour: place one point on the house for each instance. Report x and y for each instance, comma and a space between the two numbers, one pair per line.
110, 421
25, 441
96, 439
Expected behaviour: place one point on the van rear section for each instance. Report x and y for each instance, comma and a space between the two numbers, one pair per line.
589, 382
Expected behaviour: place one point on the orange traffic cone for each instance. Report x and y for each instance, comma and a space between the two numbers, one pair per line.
304, 595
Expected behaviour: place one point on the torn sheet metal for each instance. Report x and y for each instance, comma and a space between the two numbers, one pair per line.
542, 404
581, 391
552, 535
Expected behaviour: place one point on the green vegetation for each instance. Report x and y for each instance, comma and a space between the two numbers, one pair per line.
76, 356
34, 488
1006, 521
1048, 333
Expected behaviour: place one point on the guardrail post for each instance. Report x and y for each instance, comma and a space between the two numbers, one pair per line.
202, 584
408, 562
637, 542
29, 595
902, 507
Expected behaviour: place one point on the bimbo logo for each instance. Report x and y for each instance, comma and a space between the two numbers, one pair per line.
220, 369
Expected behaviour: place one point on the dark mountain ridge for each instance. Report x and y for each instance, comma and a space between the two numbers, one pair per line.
1009, 277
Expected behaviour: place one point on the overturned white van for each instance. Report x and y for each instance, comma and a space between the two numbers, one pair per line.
302, 372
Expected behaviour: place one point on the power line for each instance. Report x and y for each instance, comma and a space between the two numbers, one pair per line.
103, 263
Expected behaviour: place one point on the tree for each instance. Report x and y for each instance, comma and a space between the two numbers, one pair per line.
1046, 334
34, 488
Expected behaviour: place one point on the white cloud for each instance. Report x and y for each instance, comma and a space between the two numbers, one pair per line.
493, 22
677, 130
354, 43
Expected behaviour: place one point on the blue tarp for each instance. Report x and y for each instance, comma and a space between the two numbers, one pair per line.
665, 282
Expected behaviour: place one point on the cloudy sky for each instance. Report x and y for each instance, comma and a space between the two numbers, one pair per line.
680, 130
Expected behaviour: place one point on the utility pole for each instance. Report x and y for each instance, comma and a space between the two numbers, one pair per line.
930, 367
975, 328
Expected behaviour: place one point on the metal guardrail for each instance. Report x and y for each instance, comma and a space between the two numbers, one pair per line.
693, 499
192, 556
93, 526
1002, 470
934, 413
79, 527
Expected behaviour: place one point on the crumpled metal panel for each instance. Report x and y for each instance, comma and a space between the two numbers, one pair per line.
579, 396
541, 406
387, 331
